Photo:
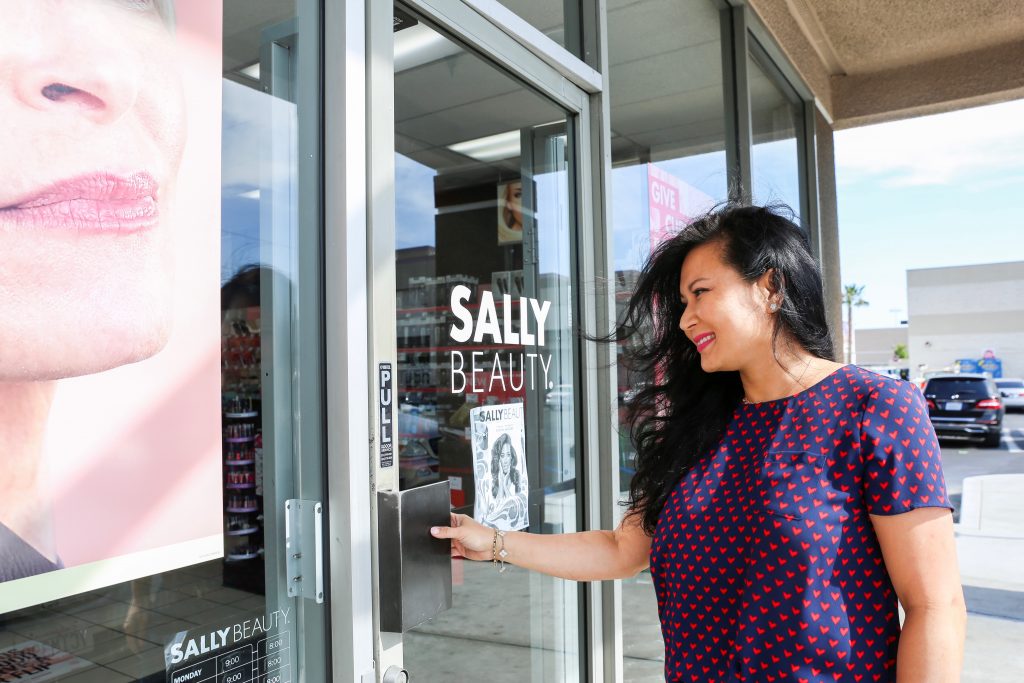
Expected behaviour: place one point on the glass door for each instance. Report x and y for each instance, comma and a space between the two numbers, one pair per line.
486, 361
191, 468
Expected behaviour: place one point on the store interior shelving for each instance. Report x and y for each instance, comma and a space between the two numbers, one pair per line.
242, 450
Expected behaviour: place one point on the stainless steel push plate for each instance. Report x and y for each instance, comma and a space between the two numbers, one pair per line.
415, 568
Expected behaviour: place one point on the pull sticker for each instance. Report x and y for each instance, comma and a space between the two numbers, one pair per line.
387, 432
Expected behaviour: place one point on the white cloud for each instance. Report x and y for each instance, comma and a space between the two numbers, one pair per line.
934, 150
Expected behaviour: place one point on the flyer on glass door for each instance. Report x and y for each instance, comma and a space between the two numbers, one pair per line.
499, 466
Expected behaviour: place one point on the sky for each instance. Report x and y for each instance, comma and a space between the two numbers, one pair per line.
933, 191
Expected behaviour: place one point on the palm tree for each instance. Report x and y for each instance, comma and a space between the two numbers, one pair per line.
851, 297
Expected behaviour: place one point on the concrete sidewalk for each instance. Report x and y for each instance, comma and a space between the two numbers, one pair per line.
990, 549
994, 652
990, 532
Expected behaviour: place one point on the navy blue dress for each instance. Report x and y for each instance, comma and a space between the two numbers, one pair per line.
18, 559
764, 560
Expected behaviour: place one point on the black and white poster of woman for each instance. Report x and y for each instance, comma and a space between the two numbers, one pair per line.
499, 466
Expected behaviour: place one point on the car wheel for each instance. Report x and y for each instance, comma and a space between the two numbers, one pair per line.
993, 440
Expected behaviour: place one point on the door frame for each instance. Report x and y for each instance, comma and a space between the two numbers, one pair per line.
360, 296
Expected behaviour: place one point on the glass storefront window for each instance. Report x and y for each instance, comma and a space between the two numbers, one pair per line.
170, 390
486, 354
559, 20
175, 385
668, 166
776, 120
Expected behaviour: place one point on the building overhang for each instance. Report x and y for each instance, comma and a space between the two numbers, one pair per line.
870, 61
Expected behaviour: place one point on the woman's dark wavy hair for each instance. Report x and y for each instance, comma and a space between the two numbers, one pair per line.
503, 440
680, 412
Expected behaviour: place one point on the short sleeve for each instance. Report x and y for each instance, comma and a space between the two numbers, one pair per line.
899, 450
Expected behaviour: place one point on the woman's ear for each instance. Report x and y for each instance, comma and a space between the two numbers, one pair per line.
772, 285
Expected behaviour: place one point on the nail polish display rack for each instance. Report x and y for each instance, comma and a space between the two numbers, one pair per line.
242, 450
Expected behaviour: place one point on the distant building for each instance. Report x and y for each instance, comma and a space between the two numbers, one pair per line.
875, 346
966, 312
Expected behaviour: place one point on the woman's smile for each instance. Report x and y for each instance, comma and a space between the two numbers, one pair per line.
703, 341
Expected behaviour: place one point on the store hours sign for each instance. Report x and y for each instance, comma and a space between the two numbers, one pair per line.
254, 650
480, 372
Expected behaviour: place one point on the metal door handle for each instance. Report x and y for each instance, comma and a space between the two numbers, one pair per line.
396, 675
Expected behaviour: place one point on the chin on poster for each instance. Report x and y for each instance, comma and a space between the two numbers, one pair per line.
109, 293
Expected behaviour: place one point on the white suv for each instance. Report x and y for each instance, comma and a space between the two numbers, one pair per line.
1011, 390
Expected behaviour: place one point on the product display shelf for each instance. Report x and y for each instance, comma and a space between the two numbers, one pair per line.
242, 451
243, 531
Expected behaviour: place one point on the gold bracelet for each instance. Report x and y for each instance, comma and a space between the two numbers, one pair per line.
501, 553
494, 548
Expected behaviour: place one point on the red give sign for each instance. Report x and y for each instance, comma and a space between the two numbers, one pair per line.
672, 204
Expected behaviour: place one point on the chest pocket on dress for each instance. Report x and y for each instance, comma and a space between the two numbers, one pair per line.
793, 486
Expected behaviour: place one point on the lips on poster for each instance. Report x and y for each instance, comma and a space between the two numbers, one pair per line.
109, 292
499, 466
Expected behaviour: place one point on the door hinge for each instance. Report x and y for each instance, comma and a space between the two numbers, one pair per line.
303, 543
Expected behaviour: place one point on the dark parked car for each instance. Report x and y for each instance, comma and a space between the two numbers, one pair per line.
965, 406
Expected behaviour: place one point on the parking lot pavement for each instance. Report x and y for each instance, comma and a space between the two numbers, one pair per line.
1013, 433
961, 459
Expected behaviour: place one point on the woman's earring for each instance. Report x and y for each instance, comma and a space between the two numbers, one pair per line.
774, 307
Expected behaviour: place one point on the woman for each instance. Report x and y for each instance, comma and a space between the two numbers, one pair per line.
507, 509
93, 133
782, 501
510, 208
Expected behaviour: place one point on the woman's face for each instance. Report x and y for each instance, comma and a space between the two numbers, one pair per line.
514, 203
725, 317
506, 458
92, 137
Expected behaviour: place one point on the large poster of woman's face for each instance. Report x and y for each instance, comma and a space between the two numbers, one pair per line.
510, 212
499, 467
109, 292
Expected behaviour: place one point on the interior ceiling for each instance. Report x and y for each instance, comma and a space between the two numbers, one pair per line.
244, 21
458, 98
870, 35
547, 15
665, 72
771, 113
666, 89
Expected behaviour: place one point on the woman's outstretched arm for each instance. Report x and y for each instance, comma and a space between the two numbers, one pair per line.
582, 556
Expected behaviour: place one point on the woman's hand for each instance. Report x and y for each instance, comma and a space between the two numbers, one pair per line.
579, 556
469, 538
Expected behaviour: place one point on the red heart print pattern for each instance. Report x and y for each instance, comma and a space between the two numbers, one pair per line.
764, 560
